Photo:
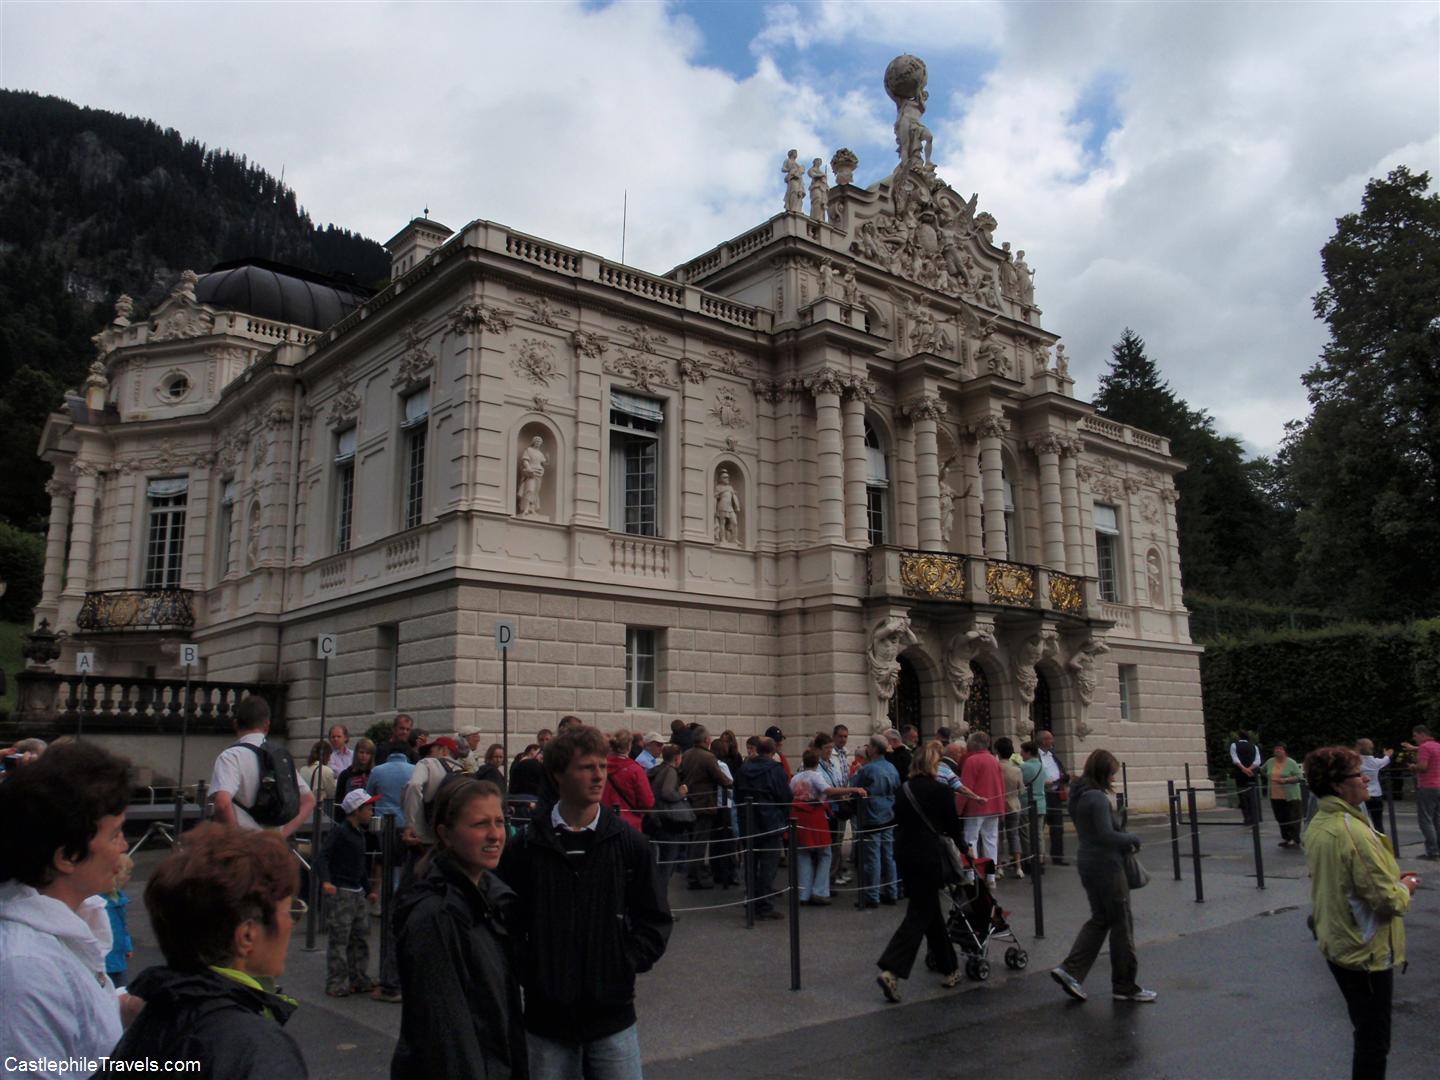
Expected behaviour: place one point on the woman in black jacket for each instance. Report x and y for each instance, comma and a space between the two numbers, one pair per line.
461, 1014
924, 810
1101, 860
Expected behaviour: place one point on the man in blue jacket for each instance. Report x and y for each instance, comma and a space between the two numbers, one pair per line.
876, 826
762, 778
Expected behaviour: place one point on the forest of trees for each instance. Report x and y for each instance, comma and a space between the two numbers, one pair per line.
93, 204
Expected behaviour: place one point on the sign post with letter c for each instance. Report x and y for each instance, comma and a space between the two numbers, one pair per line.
504, 638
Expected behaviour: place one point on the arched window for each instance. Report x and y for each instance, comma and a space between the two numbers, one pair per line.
877, 488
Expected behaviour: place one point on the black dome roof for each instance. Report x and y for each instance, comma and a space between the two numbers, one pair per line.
283, 293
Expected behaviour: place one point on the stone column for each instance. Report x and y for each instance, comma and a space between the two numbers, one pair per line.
1174, 589
924, 413
695, 518
62, 494
826, 384
974, 515
990, 430
857, 393
903, 488
1047, 449
82, 530
1070, 507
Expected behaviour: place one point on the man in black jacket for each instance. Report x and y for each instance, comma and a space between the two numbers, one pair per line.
593, 915
762, 778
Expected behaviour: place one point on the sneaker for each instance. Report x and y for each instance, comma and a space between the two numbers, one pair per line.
889, 986
863, 904
1068, 983
389, 997
819, 901
952, 980
1137, 995
363, 986
338, 991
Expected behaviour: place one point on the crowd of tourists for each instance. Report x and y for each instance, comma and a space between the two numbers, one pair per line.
527, 899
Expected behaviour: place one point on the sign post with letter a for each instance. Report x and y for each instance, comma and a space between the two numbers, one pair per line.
84, 667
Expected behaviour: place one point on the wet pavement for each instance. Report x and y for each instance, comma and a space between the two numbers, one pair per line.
1243, 989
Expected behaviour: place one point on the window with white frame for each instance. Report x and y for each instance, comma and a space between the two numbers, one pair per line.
345, 487
225, 529
1012, 549
877, 488
1107, 552
165, 532
1129, 683
636, 427
415, 426
639, 668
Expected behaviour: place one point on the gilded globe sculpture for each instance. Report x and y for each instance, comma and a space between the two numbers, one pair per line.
905, 77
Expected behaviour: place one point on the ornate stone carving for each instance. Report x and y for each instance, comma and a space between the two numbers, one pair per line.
1150, 509
962, 649
991, 356
947, 511
1042, 357
346, 402
258, 451
1034, 649
826, 380
905, 80
532, 475
182, 317
932, 574
1082, 664
87, 469
794, 174
1047, 443
985, 225
416, 361
645, 372
589, 344
990, 426
692, 370
887, 641
540, 403
843, 164
850, 288
1062, 362
819, 190
727, 510
277, 416
825, 273
492, 320
1106, 486
726, 410
924, 407
859, 388
772, 390
124, 308
1025, 280
542, 312
725, 360
1131, 485
534, 361
646, 340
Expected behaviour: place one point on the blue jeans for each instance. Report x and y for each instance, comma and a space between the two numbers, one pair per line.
615, 1057
877, 865
814, 872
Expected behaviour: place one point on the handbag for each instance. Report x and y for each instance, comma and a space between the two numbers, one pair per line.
952, 863
1135, 872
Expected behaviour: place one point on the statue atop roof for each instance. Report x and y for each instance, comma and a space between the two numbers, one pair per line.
905, 80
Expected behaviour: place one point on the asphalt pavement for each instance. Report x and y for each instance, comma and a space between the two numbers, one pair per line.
1243, 989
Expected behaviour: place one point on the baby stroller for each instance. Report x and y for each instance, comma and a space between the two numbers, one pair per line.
975, 920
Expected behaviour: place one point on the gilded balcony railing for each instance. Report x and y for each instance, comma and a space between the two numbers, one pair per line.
932, 574
1010, 583
1067, 593
137, 609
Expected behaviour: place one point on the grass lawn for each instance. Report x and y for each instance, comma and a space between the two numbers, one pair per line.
12, 638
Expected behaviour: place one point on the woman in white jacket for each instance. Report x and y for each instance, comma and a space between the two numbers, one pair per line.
61, 844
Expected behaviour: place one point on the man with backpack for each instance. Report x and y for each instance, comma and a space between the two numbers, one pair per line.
439, 766
255, 782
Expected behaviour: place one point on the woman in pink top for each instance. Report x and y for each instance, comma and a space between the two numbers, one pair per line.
627, 788
981, 774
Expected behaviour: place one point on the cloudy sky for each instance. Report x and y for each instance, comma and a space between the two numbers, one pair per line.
1173, 167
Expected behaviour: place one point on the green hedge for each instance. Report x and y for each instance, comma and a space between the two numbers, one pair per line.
1214, 617
22, 566
1319, 687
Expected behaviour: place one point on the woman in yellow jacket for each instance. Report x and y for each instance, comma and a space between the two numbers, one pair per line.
1359, 899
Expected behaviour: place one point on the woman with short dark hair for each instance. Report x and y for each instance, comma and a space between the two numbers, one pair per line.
220, 909
62, 841
1359, 899
461, 1013
1101, 861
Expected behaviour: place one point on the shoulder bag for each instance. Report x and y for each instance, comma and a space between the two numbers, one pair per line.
1135, 872
952, 863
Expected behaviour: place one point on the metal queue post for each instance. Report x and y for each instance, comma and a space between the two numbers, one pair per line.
387, 887
504, 638
1036, 889
792, 849
1174, 807
326, 646
84, 667
749, 825
1195, 839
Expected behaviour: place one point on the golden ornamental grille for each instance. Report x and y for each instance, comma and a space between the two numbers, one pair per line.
1010, 583
1066, 594
933, 575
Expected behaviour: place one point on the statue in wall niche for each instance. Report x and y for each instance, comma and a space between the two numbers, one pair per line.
1154, 578
1083, 666
1062, 362
727, 510
887, 642
532, 476
850, 288
947, 511
843, 163
1025, 280
819, 190
794, 183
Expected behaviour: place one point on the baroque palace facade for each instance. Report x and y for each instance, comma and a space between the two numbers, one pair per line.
830, 471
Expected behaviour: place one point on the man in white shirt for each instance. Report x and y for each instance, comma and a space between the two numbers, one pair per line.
423, 788
649, 757
1056, 783
341, 756
235, 780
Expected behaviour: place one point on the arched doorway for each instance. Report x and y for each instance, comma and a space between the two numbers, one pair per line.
977, 709
1041, 718
907, 706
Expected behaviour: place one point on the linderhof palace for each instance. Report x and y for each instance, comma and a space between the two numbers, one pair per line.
831, 470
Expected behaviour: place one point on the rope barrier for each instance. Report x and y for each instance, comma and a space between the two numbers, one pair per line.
734, 903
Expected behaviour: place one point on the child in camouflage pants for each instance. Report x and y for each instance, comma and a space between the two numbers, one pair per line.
344, 878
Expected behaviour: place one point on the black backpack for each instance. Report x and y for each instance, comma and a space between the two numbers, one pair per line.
277, 800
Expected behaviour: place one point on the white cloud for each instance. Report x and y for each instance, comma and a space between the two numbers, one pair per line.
1243, 131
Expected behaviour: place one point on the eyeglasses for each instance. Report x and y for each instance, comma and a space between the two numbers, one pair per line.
1353, 776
